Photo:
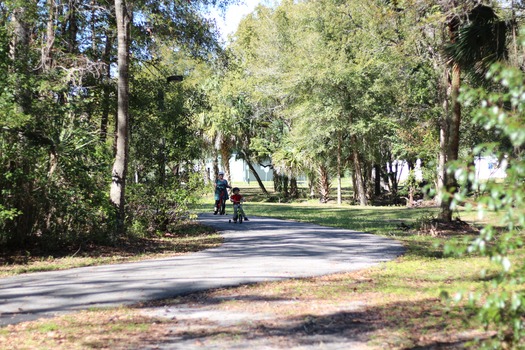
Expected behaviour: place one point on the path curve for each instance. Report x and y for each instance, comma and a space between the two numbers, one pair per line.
261, 249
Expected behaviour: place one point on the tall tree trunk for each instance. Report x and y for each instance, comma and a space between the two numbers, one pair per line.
443, 136
47, 58
19, 54
367, 179
377, 180
257, 177
442, 158
358, 172
277, 184
311, 185
225, 160
106, 99
118, 183
450, 183
339, 175
285, 187
47, 63
451, 130
215, 164
324, 184
72, 28
294, 190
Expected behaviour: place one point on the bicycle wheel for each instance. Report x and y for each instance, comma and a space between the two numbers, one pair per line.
223, 206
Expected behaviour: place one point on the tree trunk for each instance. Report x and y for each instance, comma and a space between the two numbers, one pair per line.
47, 58
324, 184
118, 183
451, 130
285, 180
276, 181
19, 54
257, 177
106, 99
377, 180
47, 63
72, 28
225, 159
339, 190
367, 179
215, 164
391, 177
355, 196
358, 172
450, 182
162, 161
311, 185
294, 190
443, 140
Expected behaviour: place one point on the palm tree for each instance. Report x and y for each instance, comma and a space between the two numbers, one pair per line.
476, 40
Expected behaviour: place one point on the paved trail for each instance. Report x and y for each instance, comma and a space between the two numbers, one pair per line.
259, 250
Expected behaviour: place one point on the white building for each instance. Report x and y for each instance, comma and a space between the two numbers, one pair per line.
490, 168
486, 168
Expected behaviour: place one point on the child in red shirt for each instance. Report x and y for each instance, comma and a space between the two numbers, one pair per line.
237, 200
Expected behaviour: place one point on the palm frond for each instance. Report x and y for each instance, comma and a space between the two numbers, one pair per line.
479, 42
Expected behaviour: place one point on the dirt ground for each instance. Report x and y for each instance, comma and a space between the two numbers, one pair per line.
264, 317
260, 324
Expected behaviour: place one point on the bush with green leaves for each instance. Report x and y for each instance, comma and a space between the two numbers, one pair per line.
502, 305
53, 209
155, 210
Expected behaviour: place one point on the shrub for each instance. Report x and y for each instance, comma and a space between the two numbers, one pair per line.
502, 304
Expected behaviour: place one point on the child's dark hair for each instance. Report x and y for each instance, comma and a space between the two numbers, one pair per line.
235, 189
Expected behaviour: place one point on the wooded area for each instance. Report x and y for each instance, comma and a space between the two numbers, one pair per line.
109, 110
322, 88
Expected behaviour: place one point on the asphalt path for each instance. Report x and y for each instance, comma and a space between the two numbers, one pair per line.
261, 249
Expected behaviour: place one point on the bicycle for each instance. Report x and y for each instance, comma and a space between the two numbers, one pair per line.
221, 205
238, 213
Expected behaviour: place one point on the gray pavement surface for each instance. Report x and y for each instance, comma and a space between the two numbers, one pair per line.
261, 249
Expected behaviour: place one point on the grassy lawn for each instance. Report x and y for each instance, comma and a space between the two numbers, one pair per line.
396, 305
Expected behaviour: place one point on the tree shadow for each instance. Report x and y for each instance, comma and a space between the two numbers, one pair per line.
423, 324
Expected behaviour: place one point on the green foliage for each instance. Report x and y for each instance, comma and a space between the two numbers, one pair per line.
322, 78
55, 156
502, 112
7, 214
55, 204
156, 210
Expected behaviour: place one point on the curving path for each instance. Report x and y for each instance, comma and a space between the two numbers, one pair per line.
259, 250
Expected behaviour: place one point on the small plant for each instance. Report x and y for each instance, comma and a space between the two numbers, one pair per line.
156, 210
427, 224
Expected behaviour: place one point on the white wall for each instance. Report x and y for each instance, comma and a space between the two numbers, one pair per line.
486, 168
490, 168
240, 171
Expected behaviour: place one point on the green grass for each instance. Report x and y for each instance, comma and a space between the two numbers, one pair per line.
423, 261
